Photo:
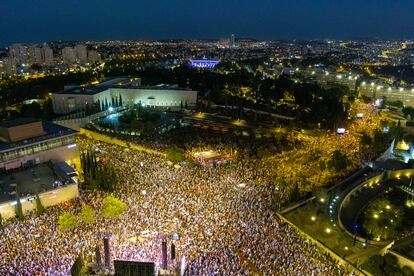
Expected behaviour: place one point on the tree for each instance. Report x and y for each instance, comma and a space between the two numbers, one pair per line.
374, 265
78, 266
382, 219
88, 214
31, 110
68, 221
386, 265
47, 112
366, 140
338, 161
120, 100
19, 209
112, 207
321, 194
407, 271
175, 155
39, 206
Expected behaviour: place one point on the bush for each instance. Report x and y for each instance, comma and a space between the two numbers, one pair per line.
338, 161
68, 221
88, 214
175, 155
112, 207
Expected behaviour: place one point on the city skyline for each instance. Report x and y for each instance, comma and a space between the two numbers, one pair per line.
102, 20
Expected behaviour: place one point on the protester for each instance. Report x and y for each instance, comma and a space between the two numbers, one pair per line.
224, 218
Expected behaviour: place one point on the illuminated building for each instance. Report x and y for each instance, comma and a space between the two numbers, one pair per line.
204, 63
121, 91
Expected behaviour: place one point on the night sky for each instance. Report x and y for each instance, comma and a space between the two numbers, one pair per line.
27, 21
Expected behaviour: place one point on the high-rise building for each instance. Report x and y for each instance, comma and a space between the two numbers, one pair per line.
47, 55
81, 53
35, 55
93, 56
19, 53
2, 69
10, 66
232, 41
68, 55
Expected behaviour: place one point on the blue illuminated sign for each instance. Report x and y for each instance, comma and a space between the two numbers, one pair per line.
210, 64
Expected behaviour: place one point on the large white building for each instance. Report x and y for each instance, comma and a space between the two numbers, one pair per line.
121, 91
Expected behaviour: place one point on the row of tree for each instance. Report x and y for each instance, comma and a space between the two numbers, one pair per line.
97, 175
111, 208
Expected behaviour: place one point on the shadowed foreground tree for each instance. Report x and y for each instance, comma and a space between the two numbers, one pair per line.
39, 206
19, 209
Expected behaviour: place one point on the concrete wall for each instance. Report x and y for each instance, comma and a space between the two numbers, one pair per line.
76, 122
49, 198
402, 260
406, 95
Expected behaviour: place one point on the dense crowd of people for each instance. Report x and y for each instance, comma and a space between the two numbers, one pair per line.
223, 217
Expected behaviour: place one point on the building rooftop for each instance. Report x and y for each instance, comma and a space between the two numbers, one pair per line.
51, 131
93, 89
17, 122
32, 180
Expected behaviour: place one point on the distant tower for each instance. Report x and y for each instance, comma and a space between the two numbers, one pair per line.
232, 41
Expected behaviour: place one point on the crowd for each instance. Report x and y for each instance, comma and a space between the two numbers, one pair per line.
224, 218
